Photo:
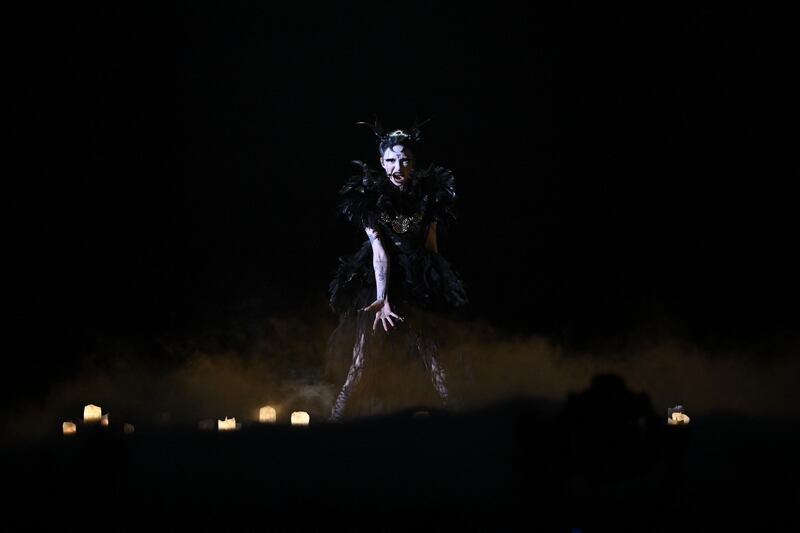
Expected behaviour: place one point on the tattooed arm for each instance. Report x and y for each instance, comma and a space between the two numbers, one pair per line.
380, 263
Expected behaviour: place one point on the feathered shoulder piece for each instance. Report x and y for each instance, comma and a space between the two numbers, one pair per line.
436, 187
432, 194
359, 197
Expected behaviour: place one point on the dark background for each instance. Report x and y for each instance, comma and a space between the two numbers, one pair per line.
180, 168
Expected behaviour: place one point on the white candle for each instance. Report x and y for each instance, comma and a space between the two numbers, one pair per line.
226, 425
267, 414
300, 418
91, 413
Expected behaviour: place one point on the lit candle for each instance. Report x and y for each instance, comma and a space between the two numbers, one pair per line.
676, 416
267, 414
68, 428
104, 420
91, 413
226, 425
300, 418
677, 419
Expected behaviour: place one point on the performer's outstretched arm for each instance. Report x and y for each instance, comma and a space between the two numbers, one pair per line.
380, 263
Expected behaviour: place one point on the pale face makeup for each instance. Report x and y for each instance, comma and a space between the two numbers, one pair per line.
398, 164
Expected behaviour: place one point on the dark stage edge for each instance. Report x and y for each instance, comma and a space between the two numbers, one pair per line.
515, 466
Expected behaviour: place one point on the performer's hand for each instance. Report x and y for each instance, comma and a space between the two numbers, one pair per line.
383, 313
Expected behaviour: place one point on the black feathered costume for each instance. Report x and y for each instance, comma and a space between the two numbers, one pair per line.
422, 287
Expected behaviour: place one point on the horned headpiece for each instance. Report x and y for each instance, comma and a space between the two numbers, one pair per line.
386, 140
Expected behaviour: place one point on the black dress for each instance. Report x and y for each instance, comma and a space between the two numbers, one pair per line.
422, 287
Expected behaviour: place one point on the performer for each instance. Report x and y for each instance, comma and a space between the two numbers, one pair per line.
392, 292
